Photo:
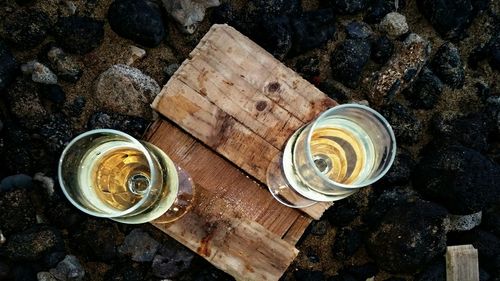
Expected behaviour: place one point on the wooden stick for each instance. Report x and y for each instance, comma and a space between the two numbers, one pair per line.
462, 263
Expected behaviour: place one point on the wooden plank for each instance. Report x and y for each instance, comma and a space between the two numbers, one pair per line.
227, 221
240, 101
462, 263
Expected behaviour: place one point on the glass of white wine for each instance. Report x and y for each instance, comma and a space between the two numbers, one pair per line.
347, 147
108, 173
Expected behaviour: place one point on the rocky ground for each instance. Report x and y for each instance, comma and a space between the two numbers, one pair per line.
69, 66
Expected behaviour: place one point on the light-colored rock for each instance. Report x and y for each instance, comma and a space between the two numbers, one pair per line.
394, 24
2, 238
47, 182
188, 13
464, 222
136, 54
42, 74
126, 90
71, 7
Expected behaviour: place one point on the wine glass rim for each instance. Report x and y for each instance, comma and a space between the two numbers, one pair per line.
140, 147
357, 106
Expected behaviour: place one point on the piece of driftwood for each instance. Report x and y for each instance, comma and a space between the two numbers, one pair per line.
462, 263
234, 223
240, 101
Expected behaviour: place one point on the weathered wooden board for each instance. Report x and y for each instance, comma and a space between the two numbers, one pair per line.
235, 224
240, 101
232, 107
462, 263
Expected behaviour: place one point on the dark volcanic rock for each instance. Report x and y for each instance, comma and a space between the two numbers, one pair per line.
139, 246
319, 228
17, 211
425, 91
16, 181
79, 35
362, 272
33, 243
422, 223
98, 238
382, 49
132, 125
63, 215
312, 29
8, 67
358, 30
75, 108
128, 272
407, 128
471, 130
377, 9
334, 91
386, 201
24, 103
449, 18
308, 275
348, 61
276, 36
53, 93
26, 28
64, 65
346, 210
348, 6
277, 7
138, 20
347, 242
171, 261
400, 171
448, 66
24, 272
308, 67
69, 269
434, 272
56, 133
491, 220
18, 154
460, 178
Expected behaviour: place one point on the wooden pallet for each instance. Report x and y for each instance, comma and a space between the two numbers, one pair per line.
232, 107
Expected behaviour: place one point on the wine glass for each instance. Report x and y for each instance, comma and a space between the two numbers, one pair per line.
108, 173
345, 148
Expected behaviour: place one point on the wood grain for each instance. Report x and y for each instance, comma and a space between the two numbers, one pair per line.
240, 101
462, 263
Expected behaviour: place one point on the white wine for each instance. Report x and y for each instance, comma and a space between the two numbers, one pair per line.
342, 150
115, 175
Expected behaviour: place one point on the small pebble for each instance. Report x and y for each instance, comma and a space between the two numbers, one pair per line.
2, 238
136, 54
139, 246
69, 269
188, 13
64, 65
358, 30
42, 74
394, 24
448, 66
170, 69
71, 7
47, 182
319, 228
45, 276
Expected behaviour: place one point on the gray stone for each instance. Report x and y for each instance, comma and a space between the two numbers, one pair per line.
64, 65
47, 182
126, 90
69, 269
28, 67
45, 276
16, 181
464, 222
2, 238
170, 69
188, 13
171, 261
139, 246
42, 74
394, 24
